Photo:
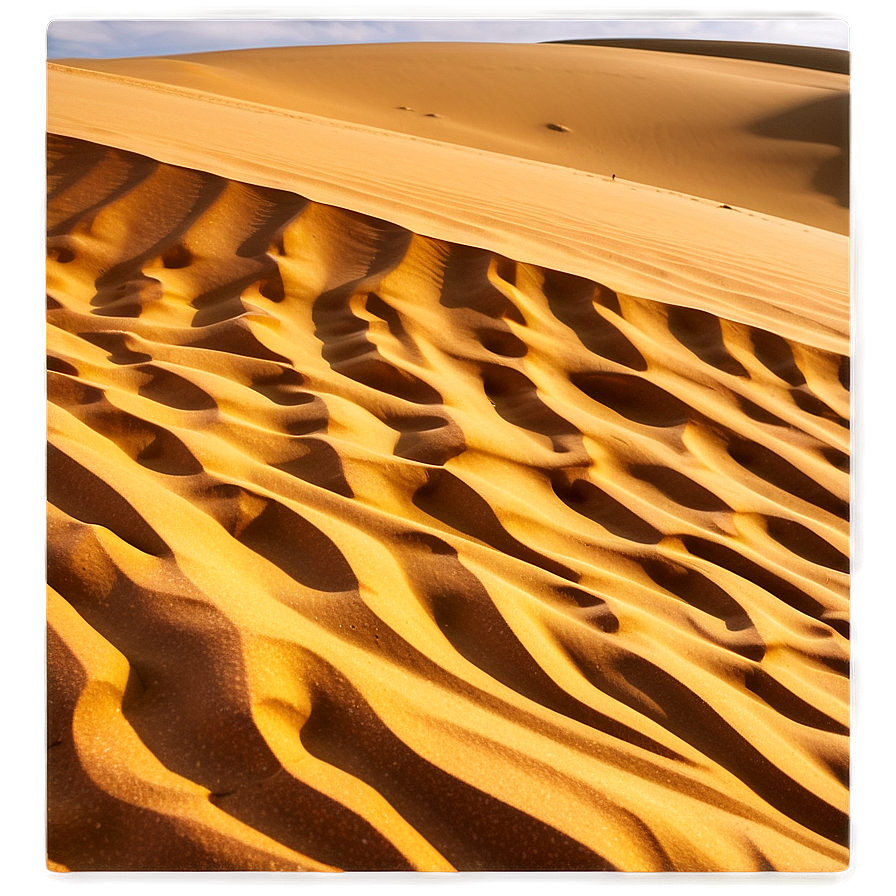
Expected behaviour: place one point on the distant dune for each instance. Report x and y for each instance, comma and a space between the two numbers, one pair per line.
743, 132
824, 59
448, 461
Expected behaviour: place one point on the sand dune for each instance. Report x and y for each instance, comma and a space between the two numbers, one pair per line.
767, 137
781, 272
386, 547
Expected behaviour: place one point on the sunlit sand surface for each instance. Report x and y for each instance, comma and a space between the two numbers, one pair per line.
433, 489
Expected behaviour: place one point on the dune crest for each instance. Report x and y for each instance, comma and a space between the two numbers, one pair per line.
374, 551
758, 235
767, 137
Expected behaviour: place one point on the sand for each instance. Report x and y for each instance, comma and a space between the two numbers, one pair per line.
448, 461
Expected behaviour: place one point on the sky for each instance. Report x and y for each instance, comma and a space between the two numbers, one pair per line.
97, 35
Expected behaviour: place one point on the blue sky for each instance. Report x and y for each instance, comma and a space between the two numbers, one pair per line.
210, 30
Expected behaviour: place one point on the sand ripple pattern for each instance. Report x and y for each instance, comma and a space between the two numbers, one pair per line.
369, 551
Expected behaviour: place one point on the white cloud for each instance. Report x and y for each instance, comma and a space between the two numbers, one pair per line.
160, 36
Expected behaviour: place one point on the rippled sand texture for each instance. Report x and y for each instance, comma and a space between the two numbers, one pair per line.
372, 551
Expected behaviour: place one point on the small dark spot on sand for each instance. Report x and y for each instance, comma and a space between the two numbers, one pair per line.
62, 254
433, 115
177, 256
725, 206
558, 127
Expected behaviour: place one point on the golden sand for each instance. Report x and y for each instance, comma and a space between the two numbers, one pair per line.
447, 491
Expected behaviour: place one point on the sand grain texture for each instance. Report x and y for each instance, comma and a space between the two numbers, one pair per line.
389, 530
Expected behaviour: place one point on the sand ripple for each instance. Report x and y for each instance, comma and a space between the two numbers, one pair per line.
371, 551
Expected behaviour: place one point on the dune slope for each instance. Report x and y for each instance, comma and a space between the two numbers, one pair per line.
764, 136
375, 550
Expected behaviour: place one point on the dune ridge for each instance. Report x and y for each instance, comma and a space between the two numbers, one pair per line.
786, 269
825, 59
767, 137
370, 550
